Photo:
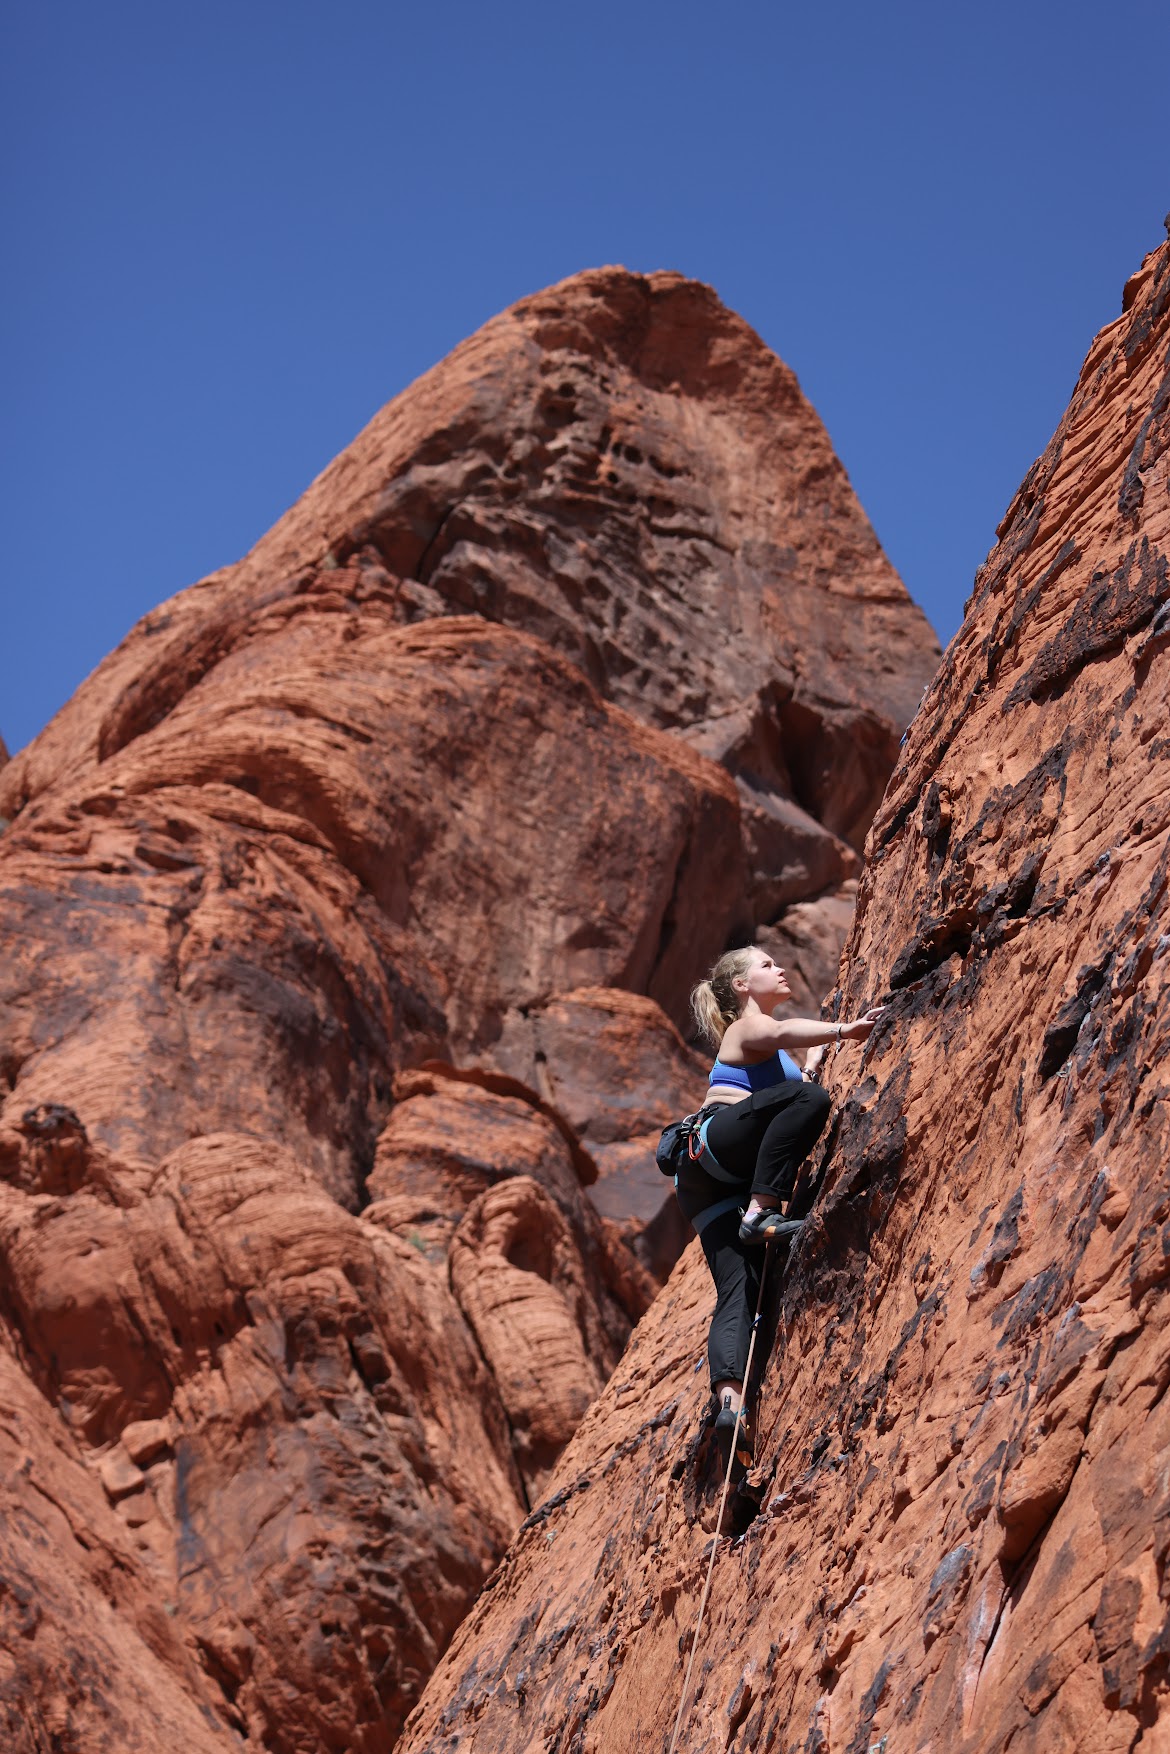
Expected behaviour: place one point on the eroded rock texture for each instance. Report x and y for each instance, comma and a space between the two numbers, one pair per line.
619, 467
619, 1070
349, 912
479, 1171
965, 1511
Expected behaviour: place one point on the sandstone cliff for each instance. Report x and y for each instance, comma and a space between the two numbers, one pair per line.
349, 911
963, 1508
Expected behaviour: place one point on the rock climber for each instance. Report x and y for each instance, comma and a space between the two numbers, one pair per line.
760, 1119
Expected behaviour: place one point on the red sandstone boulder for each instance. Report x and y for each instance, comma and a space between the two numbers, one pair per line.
547, 1288
518, 1274
956, 1534
449, 1138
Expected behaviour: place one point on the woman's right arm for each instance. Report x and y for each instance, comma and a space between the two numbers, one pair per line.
765, 1034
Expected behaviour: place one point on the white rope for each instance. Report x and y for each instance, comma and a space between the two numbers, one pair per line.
722, 1503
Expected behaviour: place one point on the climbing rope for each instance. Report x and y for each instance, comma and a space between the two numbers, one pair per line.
682, 1704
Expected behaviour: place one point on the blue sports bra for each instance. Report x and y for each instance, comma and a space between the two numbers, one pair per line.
758, 1077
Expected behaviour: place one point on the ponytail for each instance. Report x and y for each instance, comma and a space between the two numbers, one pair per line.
706, 1013
714, 1002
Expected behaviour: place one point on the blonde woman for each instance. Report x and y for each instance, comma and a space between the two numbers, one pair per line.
760, 1119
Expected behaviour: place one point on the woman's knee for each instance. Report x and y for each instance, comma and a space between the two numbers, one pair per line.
815, 1103
802, 1116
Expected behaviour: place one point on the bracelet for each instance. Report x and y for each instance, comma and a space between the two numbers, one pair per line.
838, 1032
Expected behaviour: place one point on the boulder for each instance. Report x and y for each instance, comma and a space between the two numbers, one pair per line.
519, 1276
453, 1137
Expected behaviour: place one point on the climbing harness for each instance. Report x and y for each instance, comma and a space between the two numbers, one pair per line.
686, 1141
674, 1147
704, 1149
682, 1704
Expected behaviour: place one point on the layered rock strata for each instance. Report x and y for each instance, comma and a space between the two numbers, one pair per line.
957, 1534
498, 736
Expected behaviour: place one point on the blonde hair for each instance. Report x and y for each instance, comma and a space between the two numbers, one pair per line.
714, 1002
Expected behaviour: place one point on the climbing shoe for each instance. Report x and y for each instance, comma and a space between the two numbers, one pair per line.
769, 1227
726, 1434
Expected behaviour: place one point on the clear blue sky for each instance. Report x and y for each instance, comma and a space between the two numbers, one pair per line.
234, 231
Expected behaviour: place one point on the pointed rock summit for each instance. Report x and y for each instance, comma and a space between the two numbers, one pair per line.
620, 467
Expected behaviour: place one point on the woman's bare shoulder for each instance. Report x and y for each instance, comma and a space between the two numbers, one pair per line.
749, 1038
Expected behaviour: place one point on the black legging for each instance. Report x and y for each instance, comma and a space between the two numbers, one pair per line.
761, 1143
765, 1138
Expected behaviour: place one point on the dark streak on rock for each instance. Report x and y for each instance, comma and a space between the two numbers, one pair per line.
1112, 607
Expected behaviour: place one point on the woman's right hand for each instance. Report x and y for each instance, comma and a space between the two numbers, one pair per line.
813, 1061
860, 1027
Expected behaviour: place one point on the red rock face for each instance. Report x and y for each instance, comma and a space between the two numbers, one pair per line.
237, 1358
618, 1070
490, 1179
350, 910
957, 1532
338, 829
262, 947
